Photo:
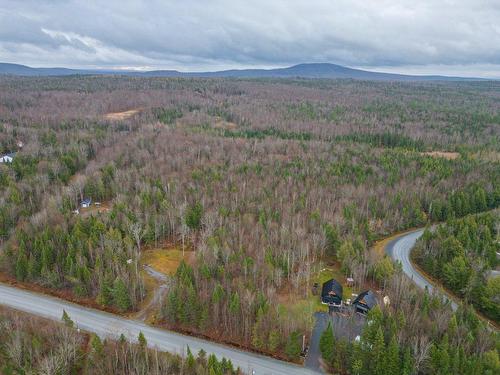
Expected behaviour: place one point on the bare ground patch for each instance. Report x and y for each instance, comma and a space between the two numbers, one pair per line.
442, 154
120, 116
225, 125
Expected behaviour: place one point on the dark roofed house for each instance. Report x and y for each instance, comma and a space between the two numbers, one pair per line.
365, 301
331, 294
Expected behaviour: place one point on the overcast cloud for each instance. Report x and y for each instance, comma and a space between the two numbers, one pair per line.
414, 36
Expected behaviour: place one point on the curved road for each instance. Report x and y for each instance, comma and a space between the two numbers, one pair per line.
399, 250
109, 325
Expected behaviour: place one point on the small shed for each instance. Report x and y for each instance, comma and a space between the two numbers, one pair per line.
86, 202
365, 301
331, 293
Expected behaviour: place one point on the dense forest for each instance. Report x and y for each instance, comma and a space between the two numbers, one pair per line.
36, 346
461, 254
266, 181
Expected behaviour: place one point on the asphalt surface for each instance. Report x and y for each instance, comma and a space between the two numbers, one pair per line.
314, 354
399, 250
109, 325
345, 326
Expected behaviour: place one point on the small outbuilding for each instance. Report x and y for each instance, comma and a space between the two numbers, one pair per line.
331, 293
86, 202
365, 301
7, 158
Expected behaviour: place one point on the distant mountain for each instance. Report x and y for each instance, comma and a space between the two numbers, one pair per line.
23, 70
314, 70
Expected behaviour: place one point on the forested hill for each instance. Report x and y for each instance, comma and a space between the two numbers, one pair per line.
311, 70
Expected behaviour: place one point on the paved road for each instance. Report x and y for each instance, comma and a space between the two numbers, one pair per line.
109, 325
399, 250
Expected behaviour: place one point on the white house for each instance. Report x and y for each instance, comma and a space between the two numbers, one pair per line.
7, 158
86, 202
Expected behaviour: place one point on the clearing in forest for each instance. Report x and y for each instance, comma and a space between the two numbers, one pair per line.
120, 116
287, 297
167, 259
157, 262
95, 209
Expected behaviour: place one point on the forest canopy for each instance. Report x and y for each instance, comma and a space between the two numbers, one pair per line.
264, 182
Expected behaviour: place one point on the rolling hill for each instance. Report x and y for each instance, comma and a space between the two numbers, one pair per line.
311, 70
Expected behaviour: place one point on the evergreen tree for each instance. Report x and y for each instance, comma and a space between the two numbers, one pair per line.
122, 340
171, 310
257, 331
21, 268
190, 361
142, 340
293, 346
121, 297
202, 358
392, 362
332, 240
274, 340
326, 344
67, 320
97, 346
105, 296
407, 362
234, 304
377, 354
193, 216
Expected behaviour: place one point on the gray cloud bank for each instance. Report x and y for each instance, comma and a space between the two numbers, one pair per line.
449, 36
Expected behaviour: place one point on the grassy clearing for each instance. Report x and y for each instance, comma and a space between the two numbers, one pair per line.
166, 260
305, 307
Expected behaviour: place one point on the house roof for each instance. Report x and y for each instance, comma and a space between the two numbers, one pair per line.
10, 154
86, 200
332, 287
367, 298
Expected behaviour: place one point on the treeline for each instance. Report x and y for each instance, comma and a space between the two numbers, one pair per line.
429, 340
461, 254
36, 346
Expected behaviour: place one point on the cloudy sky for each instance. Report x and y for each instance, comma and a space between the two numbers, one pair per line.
456, 37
